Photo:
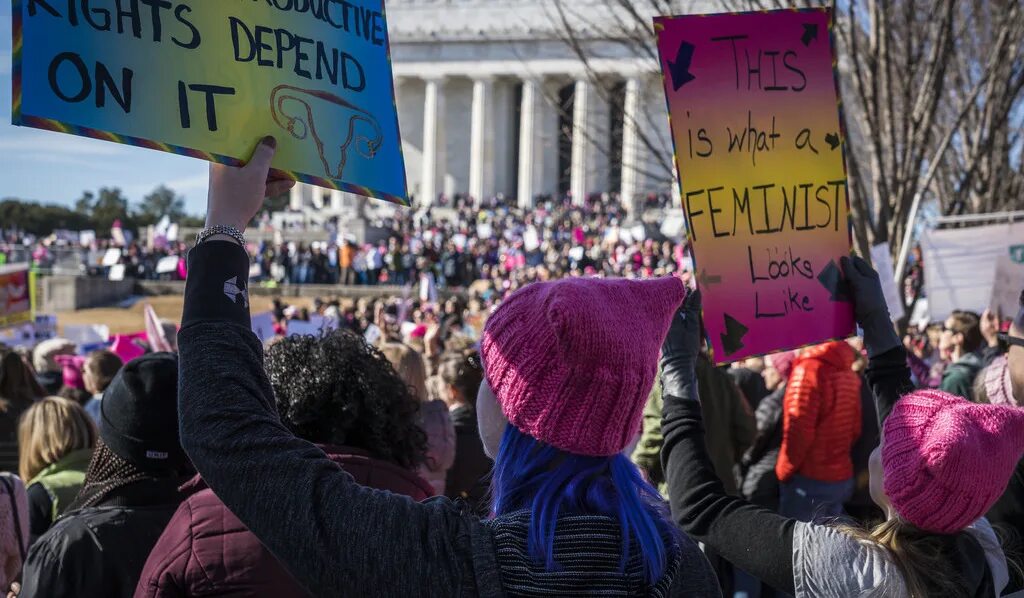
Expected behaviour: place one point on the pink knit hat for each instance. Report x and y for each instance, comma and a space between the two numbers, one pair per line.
947, 460
998, 385
572, 362
71, 370
782, 362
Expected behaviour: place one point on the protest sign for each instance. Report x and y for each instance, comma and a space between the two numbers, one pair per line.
302, 328
15, 295
960, 265
1007, 286
116, 273
209, 79
87, 337
881, 257
263, 325
759, 149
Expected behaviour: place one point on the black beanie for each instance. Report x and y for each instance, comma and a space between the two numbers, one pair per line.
139, 413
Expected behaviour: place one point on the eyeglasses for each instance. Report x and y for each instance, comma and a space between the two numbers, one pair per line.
1011, 340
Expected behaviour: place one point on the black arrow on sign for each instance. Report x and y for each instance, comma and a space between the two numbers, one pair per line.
732, 338
810, 33
832, 139
706, 280
680, 69
832, 279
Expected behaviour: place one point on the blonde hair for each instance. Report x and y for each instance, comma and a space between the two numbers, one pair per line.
409, 365
921, 557
50, 430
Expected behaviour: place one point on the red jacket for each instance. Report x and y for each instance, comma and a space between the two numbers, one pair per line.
821, 416
206, 551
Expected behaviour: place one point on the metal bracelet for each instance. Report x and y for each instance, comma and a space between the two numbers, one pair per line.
221, 229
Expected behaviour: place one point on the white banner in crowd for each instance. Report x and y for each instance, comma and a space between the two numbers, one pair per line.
881, 257
87, 336
1008, 284
167, 265
116, 273
960, 265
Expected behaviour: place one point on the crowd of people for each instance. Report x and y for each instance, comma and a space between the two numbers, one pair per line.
552, 434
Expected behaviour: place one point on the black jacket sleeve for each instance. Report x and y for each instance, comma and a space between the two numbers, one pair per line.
40, 512
889, 377
336, 537
752, 538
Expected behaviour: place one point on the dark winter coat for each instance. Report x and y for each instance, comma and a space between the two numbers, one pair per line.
759, 484
206, 551
100, 550
468, 477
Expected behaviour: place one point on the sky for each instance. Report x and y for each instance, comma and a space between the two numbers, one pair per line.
56, 168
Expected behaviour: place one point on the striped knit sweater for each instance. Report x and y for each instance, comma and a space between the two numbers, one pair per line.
587, 551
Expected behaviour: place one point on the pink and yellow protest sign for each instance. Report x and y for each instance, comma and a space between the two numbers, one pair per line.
209, 78
755, 116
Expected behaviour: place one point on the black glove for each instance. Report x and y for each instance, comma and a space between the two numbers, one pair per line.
869, 307
680, 349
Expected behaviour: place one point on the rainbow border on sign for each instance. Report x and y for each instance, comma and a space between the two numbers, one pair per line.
24, 120
842, 135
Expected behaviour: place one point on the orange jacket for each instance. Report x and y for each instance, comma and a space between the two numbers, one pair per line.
821, 417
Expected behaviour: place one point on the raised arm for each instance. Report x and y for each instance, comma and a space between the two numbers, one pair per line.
753, 538
887, 373
335, 536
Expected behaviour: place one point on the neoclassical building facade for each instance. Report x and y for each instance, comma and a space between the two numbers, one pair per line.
493, 100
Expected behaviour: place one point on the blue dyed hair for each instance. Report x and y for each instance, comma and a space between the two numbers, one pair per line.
529, 474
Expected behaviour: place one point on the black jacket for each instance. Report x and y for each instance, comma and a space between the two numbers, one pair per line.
760, 485
100, 551
468, 476
1007, 517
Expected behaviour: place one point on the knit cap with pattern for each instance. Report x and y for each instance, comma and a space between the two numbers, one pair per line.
947, 460
572, 362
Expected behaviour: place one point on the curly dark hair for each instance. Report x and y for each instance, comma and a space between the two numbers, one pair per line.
336, 389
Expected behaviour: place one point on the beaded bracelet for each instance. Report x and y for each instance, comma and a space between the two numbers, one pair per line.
221, 229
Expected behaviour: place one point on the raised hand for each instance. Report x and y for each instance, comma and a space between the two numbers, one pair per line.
680, 349
869, 306
236, 194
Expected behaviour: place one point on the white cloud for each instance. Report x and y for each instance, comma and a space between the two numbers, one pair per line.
23, 140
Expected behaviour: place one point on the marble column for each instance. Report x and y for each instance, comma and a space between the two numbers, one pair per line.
433, 152
337, 200
580, 142
295, 201
630, 148
481, 144
527, 143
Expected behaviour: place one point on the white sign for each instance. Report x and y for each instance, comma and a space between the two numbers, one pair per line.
263, 326
1007, 287
882, 258
87, 237
116, 273
960, 265
88, 337
111, 257
167, 265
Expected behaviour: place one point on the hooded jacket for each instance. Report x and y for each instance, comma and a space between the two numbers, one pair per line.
206, 551
821, 415
958, 379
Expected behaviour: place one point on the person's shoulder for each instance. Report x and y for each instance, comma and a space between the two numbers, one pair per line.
828, 561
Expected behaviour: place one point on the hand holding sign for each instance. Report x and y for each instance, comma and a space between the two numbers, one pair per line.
758, 145
236, 194
192, 76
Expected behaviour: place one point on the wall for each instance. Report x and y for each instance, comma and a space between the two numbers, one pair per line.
66, 293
